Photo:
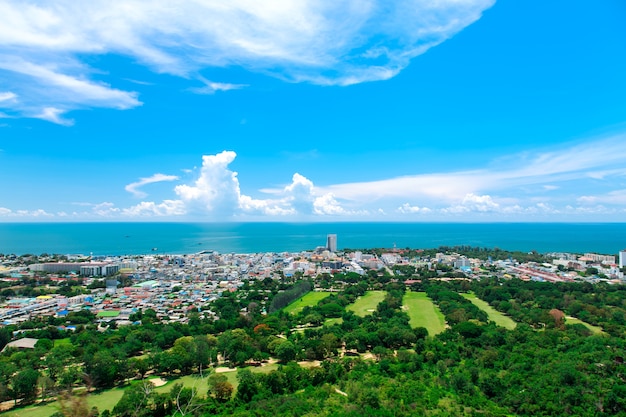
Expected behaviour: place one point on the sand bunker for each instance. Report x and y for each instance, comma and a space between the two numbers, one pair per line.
221, 369
158, 382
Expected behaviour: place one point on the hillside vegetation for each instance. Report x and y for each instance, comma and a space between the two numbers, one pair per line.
389, 356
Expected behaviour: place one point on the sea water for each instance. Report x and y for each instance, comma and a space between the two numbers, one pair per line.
179, 238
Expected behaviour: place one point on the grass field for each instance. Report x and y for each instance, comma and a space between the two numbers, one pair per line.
366, 304
330, 322
104, 400
309, 299
107, 399
594, 329
494, 315
61, 342
423, 313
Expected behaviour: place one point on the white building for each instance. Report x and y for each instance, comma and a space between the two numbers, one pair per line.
605, 259
622, 258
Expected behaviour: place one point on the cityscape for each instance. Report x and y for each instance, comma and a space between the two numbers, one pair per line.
174, 284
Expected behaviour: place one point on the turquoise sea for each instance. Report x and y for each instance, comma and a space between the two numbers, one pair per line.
179, 238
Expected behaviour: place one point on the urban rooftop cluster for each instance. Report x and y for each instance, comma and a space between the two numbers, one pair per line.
114, 288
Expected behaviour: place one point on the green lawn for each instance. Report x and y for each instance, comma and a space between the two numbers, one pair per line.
494, 315
594, 329
423, 313
188, 381
61, 342
332, 321
41, 411
104, 400
366, 304
309, 299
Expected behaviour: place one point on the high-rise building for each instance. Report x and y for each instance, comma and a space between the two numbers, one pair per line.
622, 258
331, 243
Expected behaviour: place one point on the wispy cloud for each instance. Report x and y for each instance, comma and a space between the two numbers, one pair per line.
537, 168
38, 213
322, 42
7, 95
211, 87
134, 187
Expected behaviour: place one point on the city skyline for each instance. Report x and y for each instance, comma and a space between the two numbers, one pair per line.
476, 111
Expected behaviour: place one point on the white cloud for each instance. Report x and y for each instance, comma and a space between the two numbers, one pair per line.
406, 208
211, 87
328, 205
48, 90
216, 192
151, 209
323, 42
7, 95
217, 188
549, 187
531, 168
53, 115
38, 213
613, 197
105, 209
479, 203
507, 189
134, 187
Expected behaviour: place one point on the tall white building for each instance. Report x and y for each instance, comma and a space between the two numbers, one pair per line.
622, 258
331, 243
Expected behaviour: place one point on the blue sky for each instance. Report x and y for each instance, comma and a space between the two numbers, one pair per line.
312, 111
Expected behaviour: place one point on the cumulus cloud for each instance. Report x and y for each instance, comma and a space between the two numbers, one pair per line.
479, 203
134, 187
216, 192
152, 209
323, 42
406, 208
328, 205
105, 209
217, 188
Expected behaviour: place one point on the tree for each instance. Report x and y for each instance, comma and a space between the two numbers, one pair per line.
73, 405
45, 384
236, 346
185, 400
285, 351
202, 352
135, 401
24, 385
248, 385
220, 387
102, 368
57, 359
5, 337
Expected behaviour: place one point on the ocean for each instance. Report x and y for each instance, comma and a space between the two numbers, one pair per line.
180, 238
